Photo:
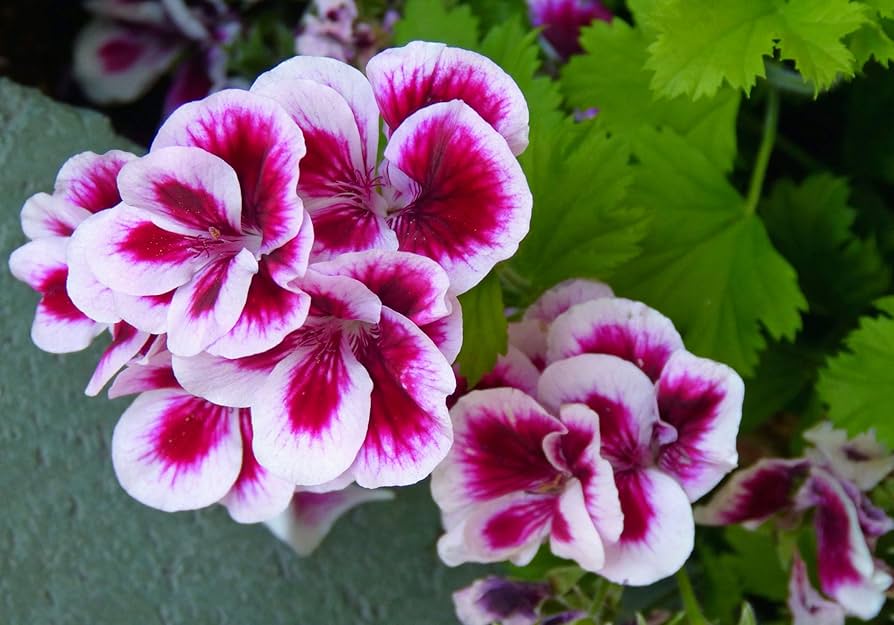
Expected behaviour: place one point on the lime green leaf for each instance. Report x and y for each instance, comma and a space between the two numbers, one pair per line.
701, 44
857, 383
484, 329
747, 617
722, 592
810, 224
885, 8
756, 563
437, 20
871, 41
706, 263
610, 77
582, 224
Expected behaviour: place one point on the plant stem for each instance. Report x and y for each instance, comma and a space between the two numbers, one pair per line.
771, 120
690, 603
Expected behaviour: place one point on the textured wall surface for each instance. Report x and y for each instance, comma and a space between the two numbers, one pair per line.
74, 549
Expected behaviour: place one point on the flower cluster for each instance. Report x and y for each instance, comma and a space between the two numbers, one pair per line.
831, 480
130, 44
596, 433
284, 306
331, 28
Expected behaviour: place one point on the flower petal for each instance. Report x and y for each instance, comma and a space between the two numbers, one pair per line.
93, 298
447, 332
572, 534
345, 80
340, 297
659, 531
753, 495
305, 523
173, 451
257, 495
419, 74
494, 599
529, 336
465, 202
208, 307
258, 139
90, 180
186, 187
117, 62
563, 296
289, 261
270, 314
616, 326
410, 284
127, 342
562, 21
862, 460
149, 313
702, 400
152, 372
847, 571
311, 417
59, 327
807, 605
409, 427
45, 215
617, 391
513, 370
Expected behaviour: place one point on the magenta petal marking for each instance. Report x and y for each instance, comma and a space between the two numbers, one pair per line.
807, 605
151, 373
127, 342
447, 332
89, 180
289, 262
467, 201
494, 599
340, 297
45, 215
513, 370
518, 523
563, 20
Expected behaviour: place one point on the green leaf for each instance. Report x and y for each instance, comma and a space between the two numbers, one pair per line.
437, 20
871, 41
701, 44
610, 76
810, 224
756, 563
857, 384
484, 329
747, 617
722, 591
707, 264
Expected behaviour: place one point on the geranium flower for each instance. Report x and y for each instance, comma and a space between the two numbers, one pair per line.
562, 21
508, 602
211, 216
846, 522
330, 28
358, 392
449, 188
174, 451
310, 516
121, 53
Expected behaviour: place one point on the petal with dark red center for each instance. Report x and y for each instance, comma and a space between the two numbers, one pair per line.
59, 327
311, 416
133, 256
807, 605
846, 569
419, 74
618, 392
344, 226
572, 533
93, 298
513, 370
257, 495
207, 307
465, 200
563, 296
702, 400
862, 460
184, 187
346, 81
447, 332
498, 450
307, 521
89, 180
45, 215
410, 284
340, 297
115, 62
580, 451
126, 343
753, 495
173, 451
409, 427
258, 139
616, 326
270, 314
659, 531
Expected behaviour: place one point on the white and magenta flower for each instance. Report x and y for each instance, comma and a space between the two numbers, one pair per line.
508, 602
359, 391
562, 21
846, 522
449, 187
660, 429
211, 221
330, 28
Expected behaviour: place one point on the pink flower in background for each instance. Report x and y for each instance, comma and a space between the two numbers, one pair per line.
331, 29
495, 599
449, 188
562, 21
663, 420
130, 44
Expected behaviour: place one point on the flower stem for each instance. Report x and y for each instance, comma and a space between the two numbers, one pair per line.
690, 603
771, 120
